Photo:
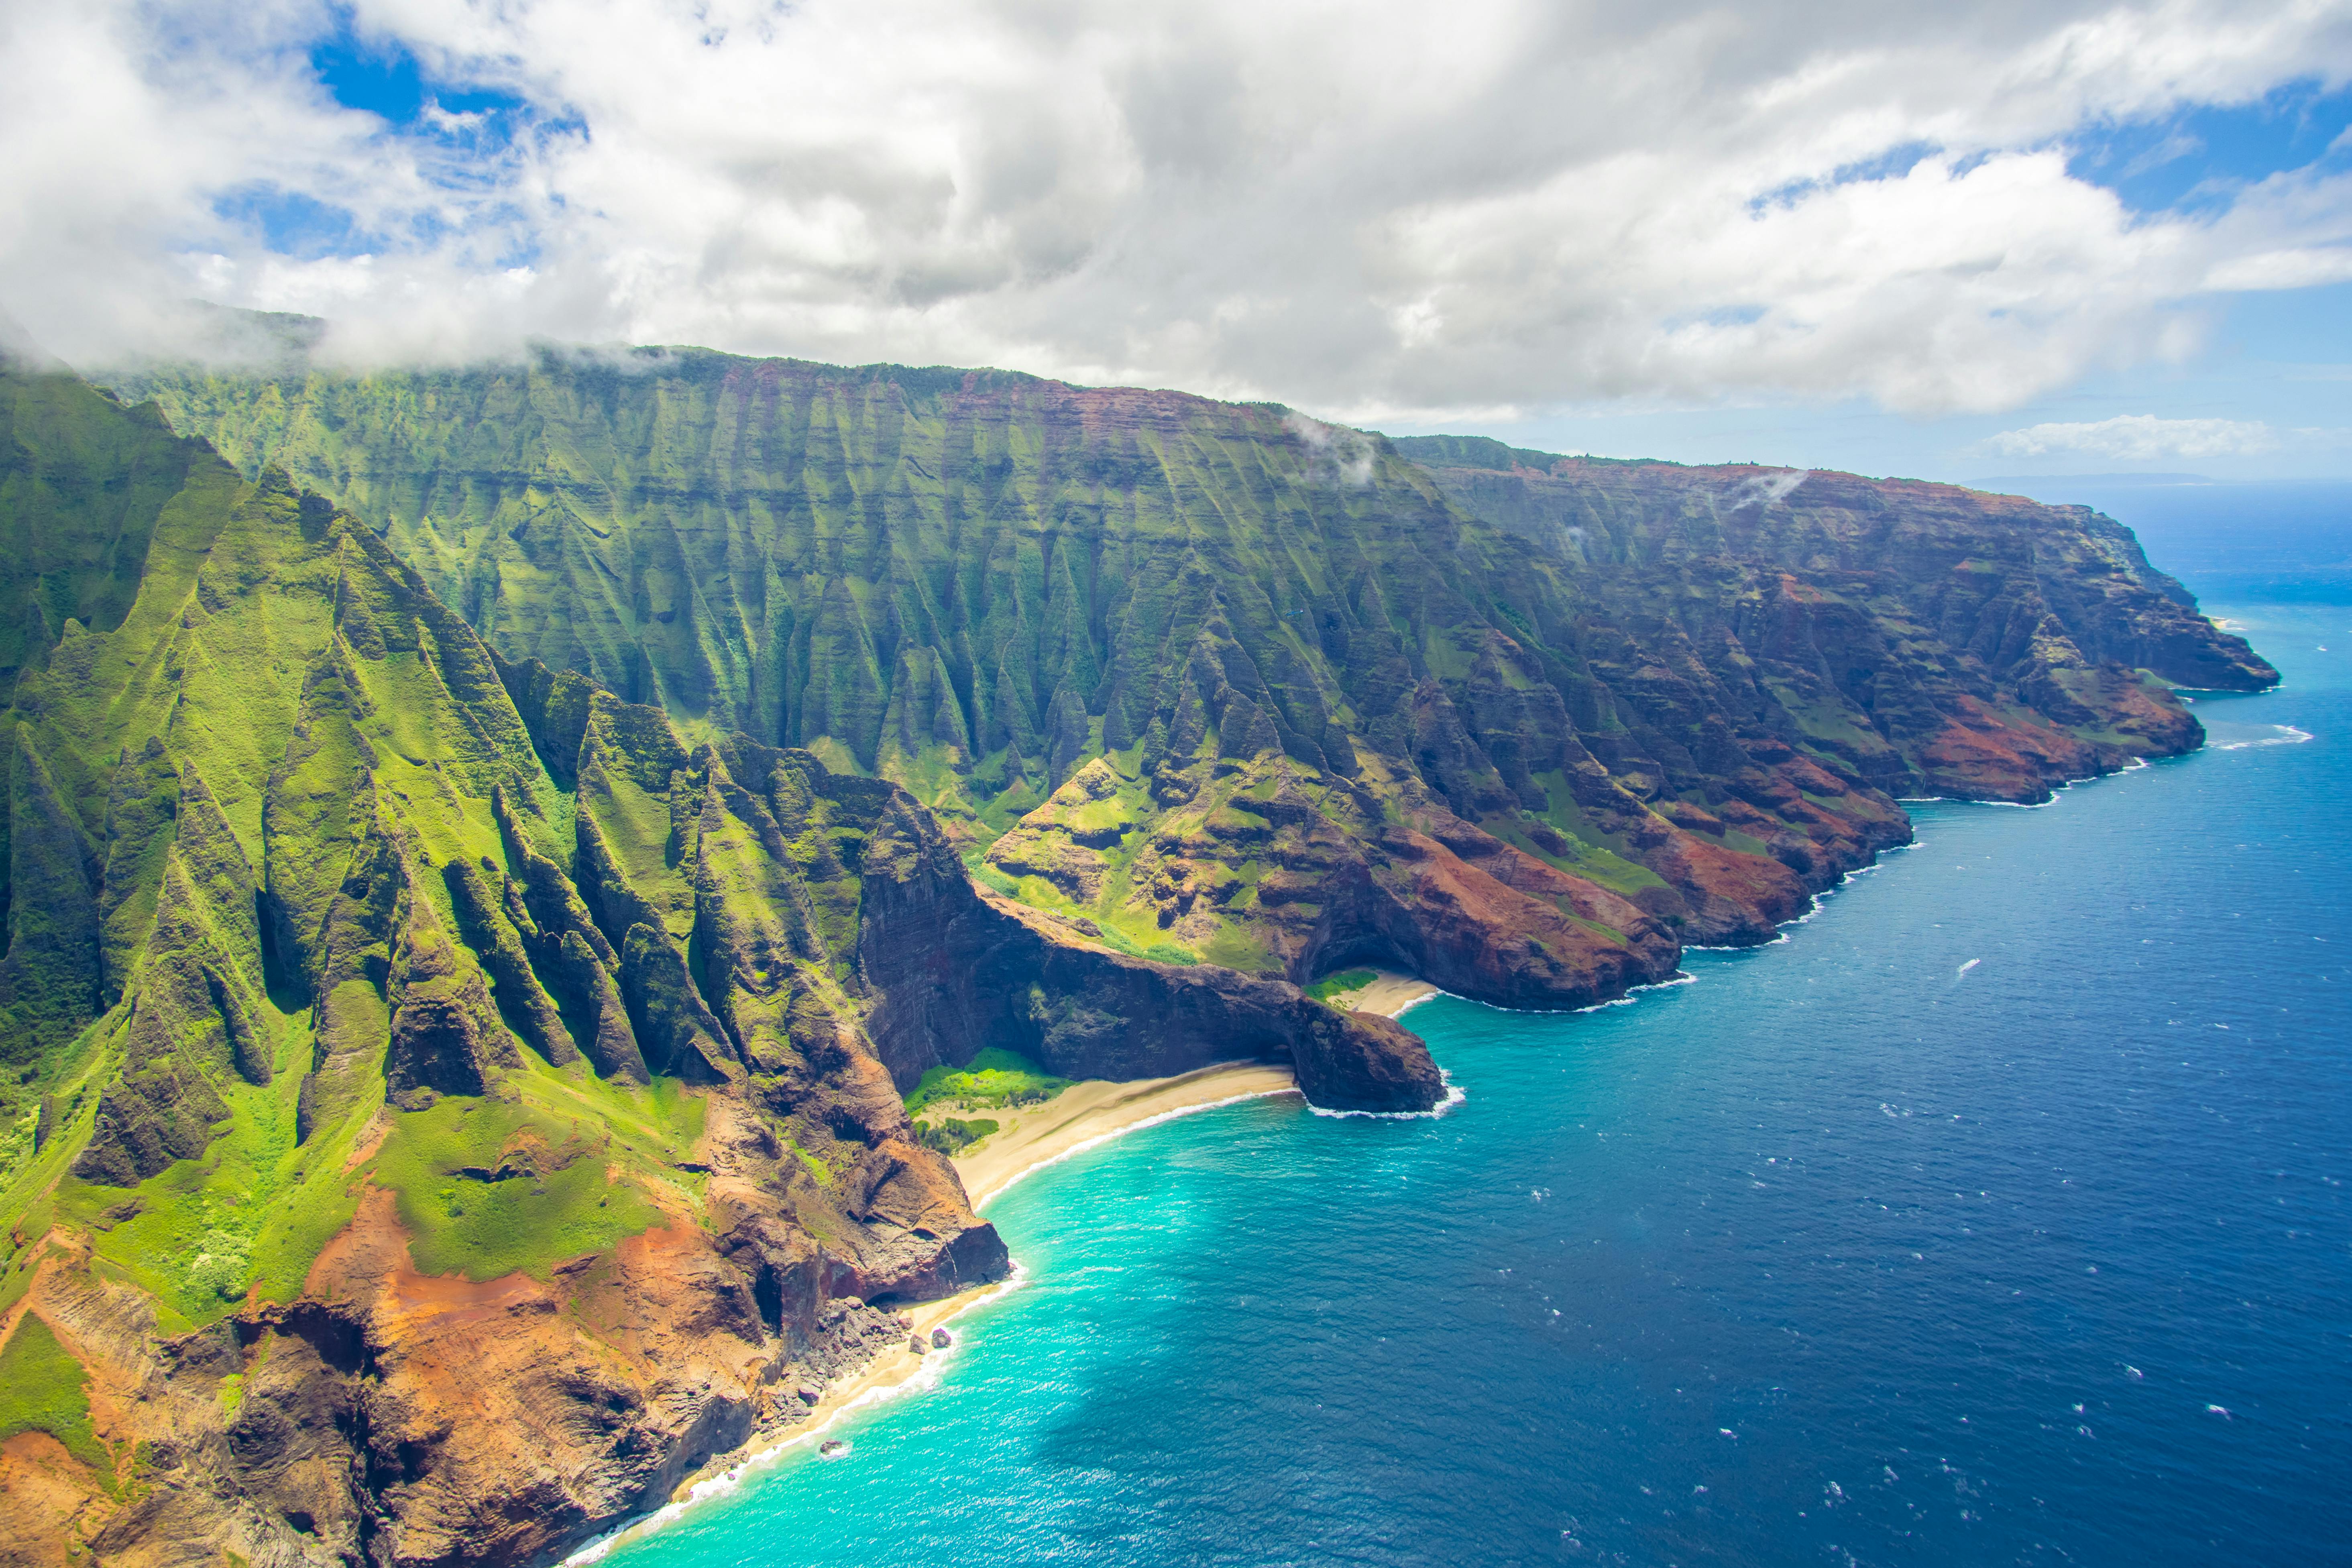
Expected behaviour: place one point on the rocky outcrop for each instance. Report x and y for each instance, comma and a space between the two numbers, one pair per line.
1936, 639
389, 1416
505, 1087
959, 970
903, 964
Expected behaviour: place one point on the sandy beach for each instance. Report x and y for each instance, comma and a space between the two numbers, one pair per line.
1083, 1114
1087, 1112
1389, 994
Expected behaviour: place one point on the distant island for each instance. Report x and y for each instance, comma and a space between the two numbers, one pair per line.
512, 871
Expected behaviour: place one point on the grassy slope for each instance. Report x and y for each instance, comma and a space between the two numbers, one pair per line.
44, 1389
992, 1081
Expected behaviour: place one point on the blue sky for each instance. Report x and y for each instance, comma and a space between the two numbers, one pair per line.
458, 133
2280, 358
384, 77
1946, 241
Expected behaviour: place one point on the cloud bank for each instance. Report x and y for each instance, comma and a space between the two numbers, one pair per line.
2140, 437
2145, 438
1376, 210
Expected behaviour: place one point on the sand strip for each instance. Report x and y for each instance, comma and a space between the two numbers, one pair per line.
1389, 994
895, 1369
1087, 1112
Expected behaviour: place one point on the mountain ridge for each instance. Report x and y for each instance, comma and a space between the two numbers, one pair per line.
367, 1073
489, 848
976, 584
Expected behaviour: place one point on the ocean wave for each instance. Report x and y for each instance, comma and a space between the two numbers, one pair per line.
1431, 994
1454, 1094
2288, 735
1679, 978
2056, 791
1812, 907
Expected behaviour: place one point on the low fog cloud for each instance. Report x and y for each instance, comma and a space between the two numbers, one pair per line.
1763, 490
2143, 437
2140, 437
1380, 211
1335, 453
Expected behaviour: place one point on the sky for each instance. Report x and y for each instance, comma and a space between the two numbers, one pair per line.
1935, 241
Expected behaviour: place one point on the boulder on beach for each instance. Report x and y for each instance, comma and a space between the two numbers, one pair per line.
941, 1338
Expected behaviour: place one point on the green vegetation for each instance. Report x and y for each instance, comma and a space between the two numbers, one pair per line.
1338, 984
1159, 950
293, 911
996, 613
1077, 645
311, 893
952, 1135
1485, 452
995, 1078
445, 836
489, 1189
195, 1234
43, 1389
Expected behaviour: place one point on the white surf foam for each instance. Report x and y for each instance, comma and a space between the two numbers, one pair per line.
2288, 735
1454, 1094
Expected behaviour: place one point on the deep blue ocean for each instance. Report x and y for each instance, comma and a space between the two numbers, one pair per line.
1998, 1215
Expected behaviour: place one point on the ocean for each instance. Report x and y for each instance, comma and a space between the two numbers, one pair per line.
1996, 1215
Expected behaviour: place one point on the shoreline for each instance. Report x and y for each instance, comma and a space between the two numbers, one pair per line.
892, 1371
1097, 1109
1087, 1114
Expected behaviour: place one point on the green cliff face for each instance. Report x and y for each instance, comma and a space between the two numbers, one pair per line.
79, 499
1181, 672
349, 965
272, 819
1936, 639
472, 908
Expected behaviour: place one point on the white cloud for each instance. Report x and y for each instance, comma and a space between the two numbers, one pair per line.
1375, 209
2305, 267
2142, 438
1335, 453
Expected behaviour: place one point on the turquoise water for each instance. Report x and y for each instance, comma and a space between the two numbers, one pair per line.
1997, 1216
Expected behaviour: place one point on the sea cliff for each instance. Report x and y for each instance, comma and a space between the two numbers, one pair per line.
487, 851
